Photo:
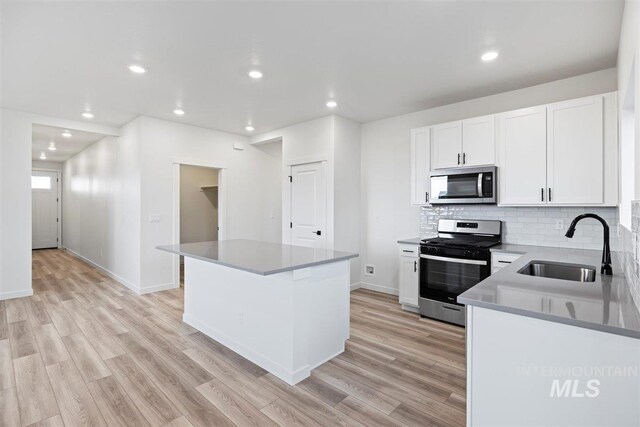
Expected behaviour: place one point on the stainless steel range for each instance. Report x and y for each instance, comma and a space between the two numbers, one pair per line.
456, 260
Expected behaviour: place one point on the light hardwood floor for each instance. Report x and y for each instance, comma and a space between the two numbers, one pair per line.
84, 350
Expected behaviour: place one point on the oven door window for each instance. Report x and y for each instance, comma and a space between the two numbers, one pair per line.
443, 279
464, 186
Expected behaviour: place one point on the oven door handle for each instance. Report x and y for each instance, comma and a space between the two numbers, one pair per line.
458, 260
480, 185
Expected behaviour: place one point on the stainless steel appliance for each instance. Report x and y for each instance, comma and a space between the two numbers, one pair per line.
463, 186
456, 260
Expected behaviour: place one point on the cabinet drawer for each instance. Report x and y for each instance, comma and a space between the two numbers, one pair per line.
412, 251
502, 259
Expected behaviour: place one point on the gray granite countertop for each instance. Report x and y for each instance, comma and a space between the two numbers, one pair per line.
258, 257
413, 241
604, 305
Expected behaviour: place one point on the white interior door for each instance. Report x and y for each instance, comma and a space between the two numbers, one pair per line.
308, 206
44, 209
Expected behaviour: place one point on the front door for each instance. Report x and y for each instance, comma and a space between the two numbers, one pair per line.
308, 206
44, 209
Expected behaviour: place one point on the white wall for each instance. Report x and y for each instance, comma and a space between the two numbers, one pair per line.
198, 208
247, 172
346, 155
101, 209
335, 141
387, 212
305, 142
15, 195
40, 164
628, 73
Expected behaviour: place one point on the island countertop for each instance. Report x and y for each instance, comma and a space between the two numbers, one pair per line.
253, 256
605, 305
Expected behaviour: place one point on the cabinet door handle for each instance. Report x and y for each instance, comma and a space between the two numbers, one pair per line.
426, 197
458, 158
504, 262
415, 266
549, 193
464, 158
407, 251
542, 194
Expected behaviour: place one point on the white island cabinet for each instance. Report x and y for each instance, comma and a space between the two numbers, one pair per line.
283, 307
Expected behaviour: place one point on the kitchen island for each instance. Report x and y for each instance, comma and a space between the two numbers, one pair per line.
548, 351
283, 307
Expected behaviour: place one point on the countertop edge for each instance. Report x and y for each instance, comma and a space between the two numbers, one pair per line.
413, 241
260, 273
551, 318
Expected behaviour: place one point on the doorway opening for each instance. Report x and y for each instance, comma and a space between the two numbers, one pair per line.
199, 206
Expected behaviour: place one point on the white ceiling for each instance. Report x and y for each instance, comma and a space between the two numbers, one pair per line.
65, 147
378, 59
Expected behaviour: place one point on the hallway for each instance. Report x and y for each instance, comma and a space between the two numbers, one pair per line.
84, 350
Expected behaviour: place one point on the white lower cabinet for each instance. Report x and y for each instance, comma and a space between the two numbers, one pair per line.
500, 260
409, 277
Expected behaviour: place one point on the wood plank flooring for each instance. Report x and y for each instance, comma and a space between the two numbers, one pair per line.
84, 350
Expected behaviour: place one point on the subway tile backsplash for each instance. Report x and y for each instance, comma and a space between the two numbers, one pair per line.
631, 252
544, 226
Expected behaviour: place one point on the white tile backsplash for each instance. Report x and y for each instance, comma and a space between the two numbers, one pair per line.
631, 252
531, 226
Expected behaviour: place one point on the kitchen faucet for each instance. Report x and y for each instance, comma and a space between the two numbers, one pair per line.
606, 250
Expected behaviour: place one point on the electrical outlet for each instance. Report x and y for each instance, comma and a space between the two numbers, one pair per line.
370, 270
559, 224
154, 219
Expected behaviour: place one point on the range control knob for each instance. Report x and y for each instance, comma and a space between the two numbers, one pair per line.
476, 254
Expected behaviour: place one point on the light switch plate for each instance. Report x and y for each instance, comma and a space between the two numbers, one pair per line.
154, 219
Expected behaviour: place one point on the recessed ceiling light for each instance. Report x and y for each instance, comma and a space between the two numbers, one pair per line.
332, 104
67, 134
138, 69
255, 74
178, 112
52, 147
249, 128
87, 115
489, 56
43, 156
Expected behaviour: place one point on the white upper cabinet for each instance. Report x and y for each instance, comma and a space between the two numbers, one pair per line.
420, 152
464, 143
560, 154
575, 152
446, 145
478, 141
523, 157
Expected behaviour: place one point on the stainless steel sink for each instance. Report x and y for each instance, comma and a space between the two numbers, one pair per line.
553, 270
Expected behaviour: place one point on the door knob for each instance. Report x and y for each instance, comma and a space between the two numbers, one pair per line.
318, 232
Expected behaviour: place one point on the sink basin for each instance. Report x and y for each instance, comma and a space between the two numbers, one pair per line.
552, 270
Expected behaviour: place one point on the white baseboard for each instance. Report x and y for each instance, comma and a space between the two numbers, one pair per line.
123, 282
355, 286
114, 276
378, 288
16, 294
157, 288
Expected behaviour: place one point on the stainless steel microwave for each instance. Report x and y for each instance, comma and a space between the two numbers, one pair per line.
463, 186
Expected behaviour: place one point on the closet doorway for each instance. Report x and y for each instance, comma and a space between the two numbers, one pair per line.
199, 206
